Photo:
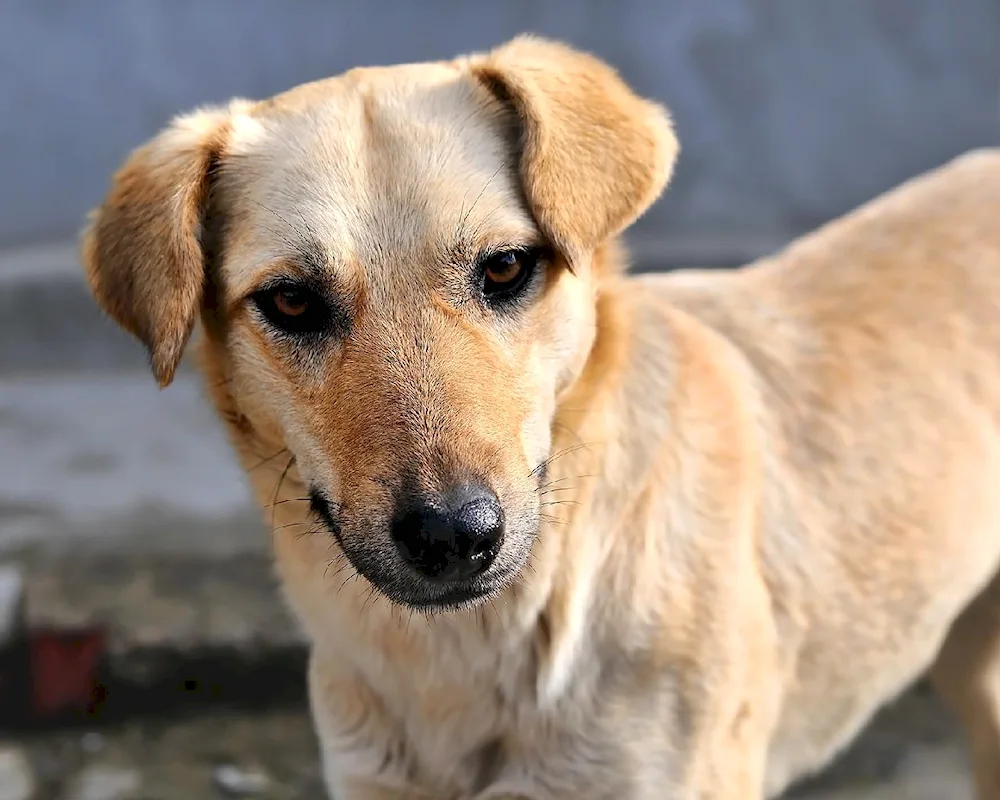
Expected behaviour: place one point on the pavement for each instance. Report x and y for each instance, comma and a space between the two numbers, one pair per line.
272, 755
126, 512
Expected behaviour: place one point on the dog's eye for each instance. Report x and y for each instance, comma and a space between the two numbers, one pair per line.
291, 302
293, 308
507, 272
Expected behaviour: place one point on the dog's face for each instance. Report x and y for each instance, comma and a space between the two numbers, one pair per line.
397, 268
393, 307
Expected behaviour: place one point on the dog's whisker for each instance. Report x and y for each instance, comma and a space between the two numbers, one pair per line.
296, 524
340, 569
268, 460
311, 531
564, 427
483, 223
496, 613
465, 218
288, 500
277, 491
544, 465
344, 583
223, 382
564, 478
293, 245
368, 596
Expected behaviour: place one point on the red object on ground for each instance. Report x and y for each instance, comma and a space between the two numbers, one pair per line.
63, 666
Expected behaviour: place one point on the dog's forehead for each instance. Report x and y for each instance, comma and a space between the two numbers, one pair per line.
381, 167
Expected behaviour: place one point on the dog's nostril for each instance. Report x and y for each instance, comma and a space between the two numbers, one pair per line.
482, 547
455, 542
480, 516
481, 522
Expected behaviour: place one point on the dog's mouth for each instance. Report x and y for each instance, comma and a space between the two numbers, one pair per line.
456, 597
424, 584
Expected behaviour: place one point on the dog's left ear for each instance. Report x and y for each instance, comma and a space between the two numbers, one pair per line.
594, 155
142, 251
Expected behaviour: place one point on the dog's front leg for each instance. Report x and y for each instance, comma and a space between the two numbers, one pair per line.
725, 696
721, 757
716, 748
967, 675
683, 737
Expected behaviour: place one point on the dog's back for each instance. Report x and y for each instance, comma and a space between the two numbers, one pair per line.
875, 345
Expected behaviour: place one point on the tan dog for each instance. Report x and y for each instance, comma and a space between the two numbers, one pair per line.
555, 532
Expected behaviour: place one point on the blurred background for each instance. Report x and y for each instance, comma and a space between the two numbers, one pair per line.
131, 559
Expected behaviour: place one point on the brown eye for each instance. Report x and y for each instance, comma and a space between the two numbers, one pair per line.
504, 269
506, 273
291, 302
294, 309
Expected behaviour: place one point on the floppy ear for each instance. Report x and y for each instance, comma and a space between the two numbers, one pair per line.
141, 250
594, 155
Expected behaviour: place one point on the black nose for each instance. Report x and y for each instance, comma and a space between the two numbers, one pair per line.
451, 541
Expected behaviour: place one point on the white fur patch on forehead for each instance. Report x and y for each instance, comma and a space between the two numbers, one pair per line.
381, 167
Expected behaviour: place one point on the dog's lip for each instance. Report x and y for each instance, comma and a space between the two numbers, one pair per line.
455, 597
461, 595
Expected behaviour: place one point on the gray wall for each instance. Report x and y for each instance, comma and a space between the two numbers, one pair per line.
789, 111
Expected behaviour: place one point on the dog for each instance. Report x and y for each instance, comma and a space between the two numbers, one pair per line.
554, 531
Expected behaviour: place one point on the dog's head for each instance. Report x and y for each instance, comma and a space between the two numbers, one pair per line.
398, 269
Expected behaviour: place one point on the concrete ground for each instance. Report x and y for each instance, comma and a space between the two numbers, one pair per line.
126, 509
273, 756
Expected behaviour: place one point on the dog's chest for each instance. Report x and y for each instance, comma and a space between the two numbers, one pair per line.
457, 711
450, 706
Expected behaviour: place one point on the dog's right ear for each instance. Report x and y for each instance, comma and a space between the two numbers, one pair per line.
142, 250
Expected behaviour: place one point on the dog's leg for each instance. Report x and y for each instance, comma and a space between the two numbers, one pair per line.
967, 676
